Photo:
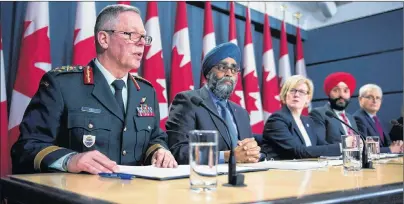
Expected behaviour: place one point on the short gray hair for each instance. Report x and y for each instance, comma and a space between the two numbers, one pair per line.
368, 87
107, 19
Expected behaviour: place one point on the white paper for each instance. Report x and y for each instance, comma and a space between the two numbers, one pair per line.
182, 171
154, 172
388, 155
294, 165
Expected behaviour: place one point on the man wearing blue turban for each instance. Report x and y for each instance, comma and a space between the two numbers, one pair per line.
220, 67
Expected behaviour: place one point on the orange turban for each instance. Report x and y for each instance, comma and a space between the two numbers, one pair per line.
335, 78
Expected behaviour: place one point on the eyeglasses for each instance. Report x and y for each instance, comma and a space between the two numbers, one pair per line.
299, 91
134, 36
234, 68
377, 98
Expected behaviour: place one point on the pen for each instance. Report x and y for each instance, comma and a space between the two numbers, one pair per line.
117, 175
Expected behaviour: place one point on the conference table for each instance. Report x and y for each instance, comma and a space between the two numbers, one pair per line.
329, 184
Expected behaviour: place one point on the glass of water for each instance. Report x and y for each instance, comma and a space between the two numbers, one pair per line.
351, 155
203, 157
372, 146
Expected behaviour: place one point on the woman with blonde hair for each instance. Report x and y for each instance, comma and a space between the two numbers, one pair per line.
290, 135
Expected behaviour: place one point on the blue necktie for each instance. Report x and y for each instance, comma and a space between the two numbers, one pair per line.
226, 115
118, 85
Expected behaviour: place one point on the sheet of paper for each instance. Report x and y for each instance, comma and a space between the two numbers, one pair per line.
182, 171
293, 165
152, 172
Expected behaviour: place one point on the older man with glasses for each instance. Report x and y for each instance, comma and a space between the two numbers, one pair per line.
92, 118
220, 67
370, 100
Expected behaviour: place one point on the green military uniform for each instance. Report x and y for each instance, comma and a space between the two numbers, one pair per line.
75, 111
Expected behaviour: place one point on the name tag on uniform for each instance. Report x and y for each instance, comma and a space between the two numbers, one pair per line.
88, 140
90, 110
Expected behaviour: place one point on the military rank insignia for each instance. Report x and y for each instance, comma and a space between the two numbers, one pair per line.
144, 110
88, 75
88, 140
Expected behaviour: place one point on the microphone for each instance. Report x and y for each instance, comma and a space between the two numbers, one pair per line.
365, 163
234, 179
396, 123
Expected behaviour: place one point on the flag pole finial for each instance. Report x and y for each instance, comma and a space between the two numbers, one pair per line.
298, 15
283, 9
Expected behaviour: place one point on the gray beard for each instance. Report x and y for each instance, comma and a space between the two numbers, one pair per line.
221, 90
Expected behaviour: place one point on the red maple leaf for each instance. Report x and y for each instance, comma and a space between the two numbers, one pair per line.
34, 48
83, 51
239, 87
181, 77
153, 69
270, 91
250, 86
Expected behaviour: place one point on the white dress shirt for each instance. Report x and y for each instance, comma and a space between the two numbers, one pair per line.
110, 79
338, 113
303, 131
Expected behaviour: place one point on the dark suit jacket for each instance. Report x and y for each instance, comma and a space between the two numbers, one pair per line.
368, 128
330, 128
185, 116
65, 109
282, 138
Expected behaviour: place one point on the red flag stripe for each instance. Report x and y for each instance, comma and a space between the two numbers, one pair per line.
270, 85
153, 65
4, 153
181, 69
251, 89
84, 45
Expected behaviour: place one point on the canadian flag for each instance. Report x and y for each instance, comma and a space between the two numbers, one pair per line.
153, 65
34, 62
84, 45
270, 85
251, 90
181, 68
4, 153
300, 65
284, 64
132, 71
238, 94
209, 39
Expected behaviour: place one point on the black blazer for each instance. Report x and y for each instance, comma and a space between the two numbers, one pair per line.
330, 128
185, 116
368, 128
283, 140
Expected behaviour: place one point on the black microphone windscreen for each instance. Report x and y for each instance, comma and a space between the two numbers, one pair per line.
196, 100
330, 114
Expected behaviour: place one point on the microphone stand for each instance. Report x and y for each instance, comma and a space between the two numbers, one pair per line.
366, 164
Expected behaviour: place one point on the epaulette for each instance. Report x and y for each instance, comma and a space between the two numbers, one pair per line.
67, 69
142, 79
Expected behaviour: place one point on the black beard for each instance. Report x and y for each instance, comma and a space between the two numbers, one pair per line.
221, 90
338, 107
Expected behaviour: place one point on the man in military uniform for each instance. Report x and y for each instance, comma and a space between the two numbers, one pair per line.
89, 119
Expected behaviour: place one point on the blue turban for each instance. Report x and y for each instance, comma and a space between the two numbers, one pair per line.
220, 53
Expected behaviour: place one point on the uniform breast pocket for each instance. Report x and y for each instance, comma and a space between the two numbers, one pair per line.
144, 127
89, 132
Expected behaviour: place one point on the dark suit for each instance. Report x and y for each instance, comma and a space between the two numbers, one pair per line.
368, 128
330, 128
185, 116
65, 110
282, 138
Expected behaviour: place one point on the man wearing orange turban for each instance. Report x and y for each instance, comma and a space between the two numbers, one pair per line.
339, 88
